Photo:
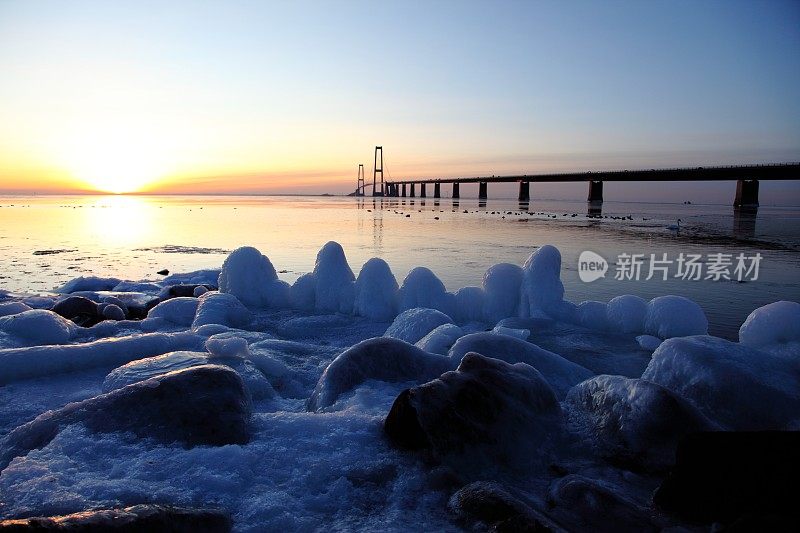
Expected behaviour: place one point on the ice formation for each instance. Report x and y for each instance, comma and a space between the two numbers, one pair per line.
12, 308
376, 291
593, 315
179, 311
221, 308
440, 339
413, 324
469, 304
627, 313
37, 326
251, 278
674, 316
421, 288
541, 289
88, 283
334, 280
501, 285
775, 323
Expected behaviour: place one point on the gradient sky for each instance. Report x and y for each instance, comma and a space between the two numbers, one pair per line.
285, 97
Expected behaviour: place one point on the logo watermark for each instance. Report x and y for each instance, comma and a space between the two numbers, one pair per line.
692, 267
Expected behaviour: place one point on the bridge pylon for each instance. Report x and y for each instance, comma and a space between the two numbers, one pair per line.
360, 182
377, 169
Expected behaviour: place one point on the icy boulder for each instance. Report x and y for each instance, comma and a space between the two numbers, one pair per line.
501, 285
149, 367
775, 323
303, 293
560, 373
413, 324
469, 302
421, 288
541, 287
178, 311
380, 359
440, 339
487, 504
674, 316
593, 315
250, 276
648, 342
219, 308
227, 346
376, 291
633, 422
484, 415
334, 280
205, 405
88, 283
12, 308
739, 387
518, 333
627, 313
37, 327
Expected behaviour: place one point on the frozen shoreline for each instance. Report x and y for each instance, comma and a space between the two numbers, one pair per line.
319, 391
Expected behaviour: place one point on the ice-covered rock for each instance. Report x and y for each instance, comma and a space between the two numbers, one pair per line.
334, 280
302, 295
593, 315
224, 346
485, 415
421, 288
469, 304
775, 323
199, 291
80, 309
382, 359
627, 313
413, 324
560, 373
648, 342
37, 326
148, 367
179, 311
376, 291
221, 308
488, 504
739, 387
250, 277
113, 312
633, 422
12, 308
208, 277
501, 284
541, 287
88, 283
205, 405
522, 334
674, 316
440, 339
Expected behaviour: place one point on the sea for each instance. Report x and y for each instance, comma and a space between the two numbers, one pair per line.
729, 260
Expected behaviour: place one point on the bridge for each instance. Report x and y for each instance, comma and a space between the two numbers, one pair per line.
747, 179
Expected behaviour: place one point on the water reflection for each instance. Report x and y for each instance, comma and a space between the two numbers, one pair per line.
119, 220
744, 221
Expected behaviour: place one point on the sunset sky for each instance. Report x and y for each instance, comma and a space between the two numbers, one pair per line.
288, 97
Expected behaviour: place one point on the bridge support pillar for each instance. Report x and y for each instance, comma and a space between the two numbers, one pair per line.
422, 190
437, 190
524, 191
404, 190
746, 193
413, 193
482, 190
595, 192
455, 191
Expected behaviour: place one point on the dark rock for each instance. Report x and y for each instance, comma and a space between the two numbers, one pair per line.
490, 504
147, 517
583, 504
633, 422
381, 358
730, 477
488, 412
193, 406
164, 272
79, 309
187, 290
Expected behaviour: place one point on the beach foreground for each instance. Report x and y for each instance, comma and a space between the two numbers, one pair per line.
231, 399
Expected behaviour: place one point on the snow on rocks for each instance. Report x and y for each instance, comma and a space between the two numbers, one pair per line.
382, 359
376, 291
593, 315
775, 323
486, 414
88, 283
648, 342
560, 373
440, 339
541, 288
421, 288
302, 294
633, 422
674, 316
248, 275
469, 304
221, 308
413, 324
193, 406
738, 387
12, 308
113, 312
179, 311
226, 346
334, 290
627, 313
149, 367
501, 284
37, 327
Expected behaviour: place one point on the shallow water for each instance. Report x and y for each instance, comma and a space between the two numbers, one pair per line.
45, 241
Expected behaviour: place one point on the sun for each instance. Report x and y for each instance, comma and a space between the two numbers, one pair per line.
115, 159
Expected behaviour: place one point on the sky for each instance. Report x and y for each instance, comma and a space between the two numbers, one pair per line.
288, 97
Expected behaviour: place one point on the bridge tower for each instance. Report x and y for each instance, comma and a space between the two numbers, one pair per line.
360, 182
376, 169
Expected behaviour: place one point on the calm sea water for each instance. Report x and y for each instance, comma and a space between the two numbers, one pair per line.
45, 241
